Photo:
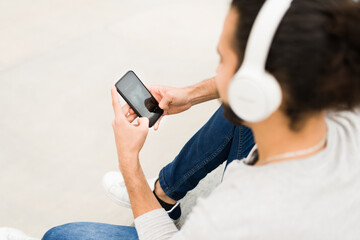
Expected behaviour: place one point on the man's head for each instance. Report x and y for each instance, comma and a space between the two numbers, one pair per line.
303, 57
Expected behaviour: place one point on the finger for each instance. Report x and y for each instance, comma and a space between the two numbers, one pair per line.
143, 123
125, 109
128, 110
157, 124
131, 117
116, 103
131, 111
165, 102
155, 91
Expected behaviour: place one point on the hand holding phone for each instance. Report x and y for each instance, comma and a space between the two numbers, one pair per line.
138, 97
129, 138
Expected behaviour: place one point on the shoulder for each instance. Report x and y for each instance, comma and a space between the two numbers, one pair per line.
345, 119
344, 128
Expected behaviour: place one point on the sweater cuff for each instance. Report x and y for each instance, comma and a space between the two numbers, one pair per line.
155, 224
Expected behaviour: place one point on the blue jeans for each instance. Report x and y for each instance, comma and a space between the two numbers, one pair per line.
91, 231
217, 141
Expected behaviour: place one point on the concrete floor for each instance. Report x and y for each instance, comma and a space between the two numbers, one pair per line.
58, 60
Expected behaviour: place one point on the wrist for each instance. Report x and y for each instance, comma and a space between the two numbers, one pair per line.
202, 92
128, 162
191, 93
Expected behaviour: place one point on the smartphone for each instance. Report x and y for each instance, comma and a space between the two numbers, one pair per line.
138, 97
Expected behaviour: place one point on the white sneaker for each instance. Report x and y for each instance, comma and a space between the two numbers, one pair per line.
115, 188
13, 234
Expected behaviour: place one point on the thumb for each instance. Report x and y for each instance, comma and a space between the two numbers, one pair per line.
143, 122
165, 102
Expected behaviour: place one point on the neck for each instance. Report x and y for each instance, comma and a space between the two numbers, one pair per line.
273, 136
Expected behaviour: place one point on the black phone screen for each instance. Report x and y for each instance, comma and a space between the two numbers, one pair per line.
138, 97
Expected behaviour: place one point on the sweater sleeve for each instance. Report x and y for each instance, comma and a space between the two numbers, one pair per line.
155, 224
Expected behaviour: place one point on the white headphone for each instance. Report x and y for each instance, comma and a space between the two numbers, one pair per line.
255, 94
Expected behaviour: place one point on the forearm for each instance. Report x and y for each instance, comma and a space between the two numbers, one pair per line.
141, 197
203, 91
151, 221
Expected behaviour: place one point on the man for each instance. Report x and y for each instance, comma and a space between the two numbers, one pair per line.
301, 180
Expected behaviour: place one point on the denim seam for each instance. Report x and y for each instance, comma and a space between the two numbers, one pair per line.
170, 191
240, 147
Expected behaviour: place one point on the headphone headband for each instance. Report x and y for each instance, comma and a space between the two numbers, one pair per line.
263, 32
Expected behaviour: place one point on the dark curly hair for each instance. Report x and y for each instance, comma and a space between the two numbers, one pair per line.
315, 54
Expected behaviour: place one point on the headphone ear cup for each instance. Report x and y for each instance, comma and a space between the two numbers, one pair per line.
254, 97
